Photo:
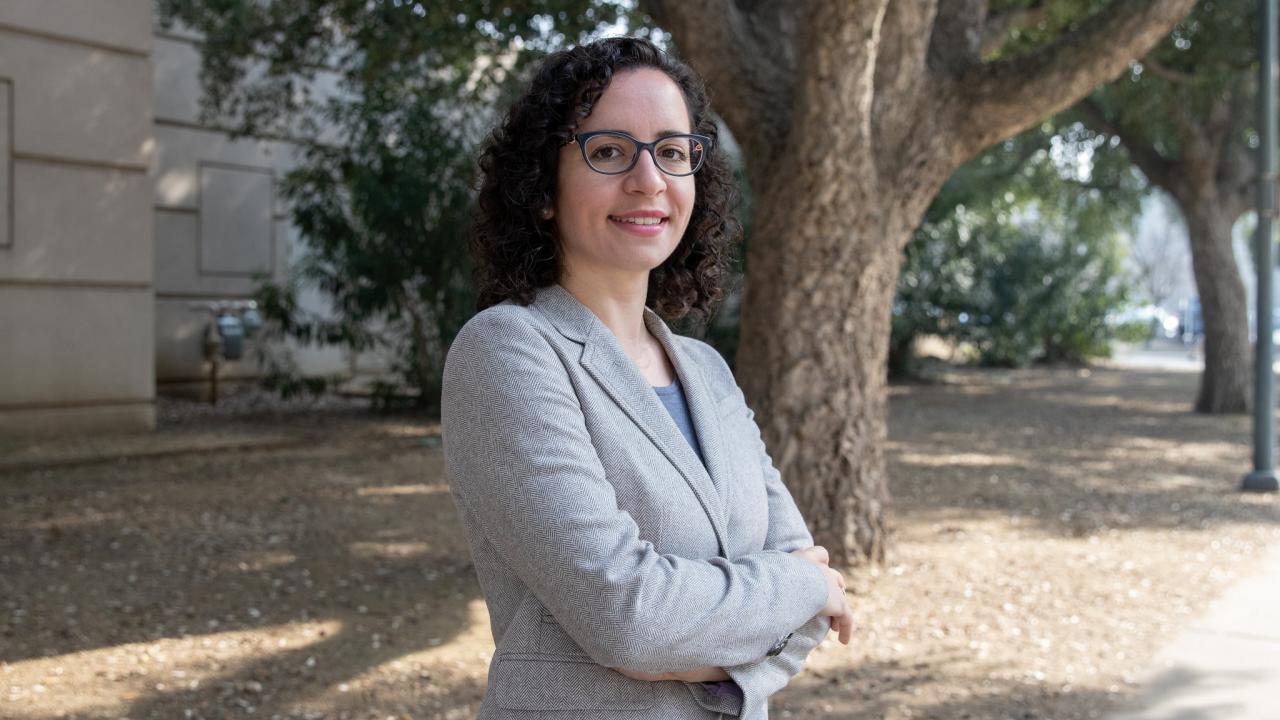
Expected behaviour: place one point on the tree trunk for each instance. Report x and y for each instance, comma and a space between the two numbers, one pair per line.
1226, 383
813, 357
822, 270
851, 114
1211, 182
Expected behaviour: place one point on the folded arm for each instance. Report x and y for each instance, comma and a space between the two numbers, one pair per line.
764, 675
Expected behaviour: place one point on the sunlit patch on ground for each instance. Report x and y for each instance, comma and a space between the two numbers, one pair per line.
95, 682
1049, 529
403, 490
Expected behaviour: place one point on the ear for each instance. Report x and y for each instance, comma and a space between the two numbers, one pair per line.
547, 213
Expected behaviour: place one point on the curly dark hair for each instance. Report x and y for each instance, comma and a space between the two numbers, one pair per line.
516, 250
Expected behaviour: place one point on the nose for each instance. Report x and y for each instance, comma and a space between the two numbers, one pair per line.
645, 178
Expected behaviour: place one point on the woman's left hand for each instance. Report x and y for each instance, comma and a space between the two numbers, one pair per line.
706, 674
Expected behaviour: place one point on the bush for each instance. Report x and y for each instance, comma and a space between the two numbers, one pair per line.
1019, 257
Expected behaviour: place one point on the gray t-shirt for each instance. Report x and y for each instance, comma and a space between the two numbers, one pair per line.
672, 397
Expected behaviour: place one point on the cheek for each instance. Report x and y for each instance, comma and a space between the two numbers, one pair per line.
687, 192
686, 195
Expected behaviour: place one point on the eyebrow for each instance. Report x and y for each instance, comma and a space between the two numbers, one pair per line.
661, 133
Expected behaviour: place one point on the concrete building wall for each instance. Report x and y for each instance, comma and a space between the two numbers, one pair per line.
219, 222
76, 142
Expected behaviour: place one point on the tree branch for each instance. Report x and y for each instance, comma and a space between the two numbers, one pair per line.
1165, 72
957, 35
997, 28
1158, 170
998, 99
904, 87
1222, 118
1238, 167
744, 52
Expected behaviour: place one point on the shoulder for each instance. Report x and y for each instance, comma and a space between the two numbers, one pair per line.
496, 327
501, 337
499, 319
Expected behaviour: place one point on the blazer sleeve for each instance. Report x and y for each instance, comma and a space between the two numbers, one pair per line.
765, 675
522, 463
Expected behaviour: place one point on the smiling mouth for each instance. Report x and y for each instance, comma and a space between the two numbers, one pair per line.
638, 220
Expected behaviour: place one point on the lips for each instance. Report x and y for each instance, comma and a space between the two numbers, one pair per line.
638, 220
642, 223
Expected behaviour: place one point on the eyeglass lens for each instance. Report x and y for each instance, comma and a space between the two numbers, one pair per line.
675, 155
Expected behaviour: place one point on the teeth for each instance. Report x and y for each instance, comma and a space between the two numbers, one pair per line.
638, 220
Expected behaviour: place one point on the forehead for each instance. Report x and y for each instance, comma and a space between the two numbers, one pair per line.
644, 102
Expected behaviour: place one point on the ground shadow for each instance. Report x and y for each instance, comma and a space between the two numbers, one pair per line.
1083, 452
355, 540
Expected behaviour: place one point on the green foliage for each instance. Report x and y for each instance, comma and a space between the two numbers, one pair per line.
1019, 255
1134, 332
382, 191
1209, 57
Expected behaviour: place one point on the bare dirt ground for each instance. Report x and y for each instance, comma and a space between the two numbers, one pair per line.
1051, 529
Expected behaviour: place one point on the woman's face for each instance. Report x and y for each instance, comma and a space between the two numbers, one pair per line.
593, 211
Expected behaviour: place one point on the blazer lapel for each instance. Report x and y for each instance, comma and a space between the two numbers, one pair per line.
702, 407
606, 362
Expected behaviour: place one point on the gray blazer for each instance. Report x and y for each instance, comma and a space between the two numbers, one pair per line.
599, 538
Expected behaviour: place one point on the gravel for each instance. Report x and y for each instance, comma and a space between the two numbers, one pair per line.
1050, 529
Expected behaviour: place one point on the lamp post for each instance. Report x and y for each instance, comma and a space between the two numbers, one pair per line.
1263, 477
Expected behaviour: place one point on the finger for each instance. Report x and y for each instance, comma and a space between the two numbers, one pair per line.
838, 578
846, 628
823, 555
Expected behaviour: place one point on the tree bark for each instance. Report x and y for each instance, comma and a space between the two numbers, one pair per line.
862, 119
813, 339
1226, 383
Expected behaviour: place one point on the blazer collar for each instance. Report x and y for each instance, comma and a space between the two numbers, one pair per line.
604, 359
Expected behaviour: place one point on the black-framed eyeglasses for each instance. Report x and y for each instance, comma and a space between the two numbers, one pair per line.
611, 152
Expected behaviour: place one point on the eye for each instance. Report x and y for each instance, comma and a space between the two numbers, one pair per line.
673, 151
606, 152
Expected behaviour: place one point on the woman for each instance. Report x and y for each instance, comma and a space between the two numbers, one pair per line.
638, 552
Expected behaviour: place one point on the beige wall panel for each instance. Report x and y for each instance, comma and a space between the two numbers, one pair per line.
236, 228
64, 421
178, 92
181, 151
79, 223
177, 31
287, 243
177, 265
176, 68
75, 344
77, 102
6, 164
373, 363
322, 360
119, 23
179, 340
178, 260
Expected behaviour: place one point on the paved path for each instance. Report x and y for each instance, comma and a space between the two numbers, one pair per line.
1159, 356
1226, 666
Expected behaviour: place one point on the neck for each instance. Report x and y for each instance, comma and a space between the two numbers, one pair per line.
617, 302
